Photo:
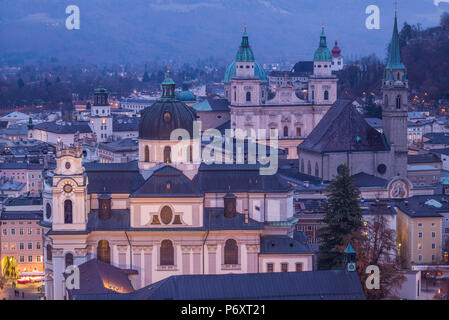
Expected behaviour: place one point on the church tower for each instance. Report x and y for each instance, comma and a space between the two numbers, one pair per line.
395, 106
246, 89
101, 119
69, 188
322, 84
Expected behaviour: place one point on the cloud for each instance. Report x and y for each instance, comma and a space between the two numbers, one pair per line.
170, 5
269, 5
40, 18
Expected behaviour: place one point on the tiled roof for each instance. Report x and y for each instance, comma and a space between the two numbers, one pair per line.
274, 244
363, 179
123, 123
212, 105
97, 277
308, 285
343, 129
424, 206
167, 182
437, 138
64, 127
21, 215
113, 177
239, 178
423, 158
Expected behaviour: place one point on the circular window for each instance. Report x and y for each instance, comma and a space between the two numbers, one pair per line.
382, 168
48, 211
67, 165
68, 188
166, 215
167, 116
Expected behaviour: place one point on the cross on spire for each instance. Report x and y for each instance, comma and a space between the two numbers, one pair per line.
244, 26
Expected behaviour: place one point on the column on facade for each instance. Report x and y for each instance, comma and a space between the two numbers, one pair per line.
252, 251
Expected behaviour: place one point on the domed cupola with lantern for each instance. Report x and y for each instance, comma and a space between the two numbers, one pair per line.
186, 95
158, 122
245, 68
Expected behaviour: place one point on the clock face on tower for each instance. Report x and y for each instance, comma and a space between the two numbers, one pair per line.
68, 188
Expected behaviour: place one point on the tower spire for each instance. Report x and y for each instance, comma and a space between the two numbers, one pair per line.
394, 54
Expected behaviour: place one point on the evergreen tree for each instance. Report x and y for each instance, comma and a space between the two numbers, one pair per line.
343, 217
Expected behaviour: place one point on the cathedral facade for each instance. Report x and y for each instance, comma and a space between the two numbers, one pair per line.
294, 116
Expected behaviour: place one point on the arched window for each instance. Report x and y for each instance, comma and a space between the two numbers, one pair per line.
68, 260
398, 76
146, 154
235, 96
386, 101
302, 166
317, 170
398, 102
285, 131
68, 211
48, 211
167, 253
104, 251
326, 95
231, 252
167, 154
309, 168
49, 253
248, 96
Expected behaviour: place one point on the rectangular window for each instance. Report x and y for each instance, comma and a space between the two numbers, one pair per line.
419, 257
434, 245
21, 246
5, 232
38, 258
13, 246
30, 258
433, 234
38, 245
270, 267
21, 232
30, 246
5, 246
30, 231
419, 234
22, 259
13, 232
38, 231
284, 267
298, 267
298, 132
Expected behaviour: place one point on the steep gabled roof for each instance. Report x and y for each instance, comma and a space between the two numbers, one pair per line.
344, 129
168, 182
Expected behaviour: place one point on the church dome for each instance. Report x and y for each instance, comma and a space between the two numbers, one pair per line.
322, 53
185, 95
165, 115
336, 52
259, 72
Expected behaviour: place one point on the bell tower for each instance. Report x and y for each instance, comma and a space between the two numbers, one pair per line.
395, 105
69, 188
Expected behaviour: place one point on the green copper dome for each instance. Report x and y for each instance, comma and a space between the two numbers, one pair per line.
245, 54
322, 53
259, 72
186, 96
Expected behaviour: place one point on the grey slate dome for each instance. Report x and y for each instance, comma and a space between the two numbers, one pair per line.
165, 115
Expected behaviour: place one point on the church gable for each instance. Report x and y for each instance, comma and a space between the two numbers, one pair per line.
343, 129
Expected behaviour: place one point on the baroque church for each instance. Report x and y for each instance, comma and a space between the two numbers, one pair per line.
294, 117
154, 218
